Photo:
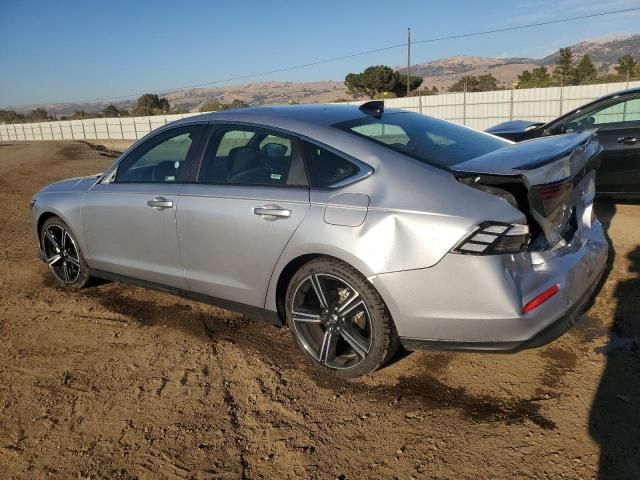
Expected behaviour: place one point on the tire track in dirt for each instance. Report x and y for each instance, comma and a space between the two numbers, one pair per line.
229, 400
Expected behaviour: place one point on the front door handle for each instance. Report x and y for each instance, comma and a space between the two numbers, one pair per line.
160, 203
627, 140
272, 212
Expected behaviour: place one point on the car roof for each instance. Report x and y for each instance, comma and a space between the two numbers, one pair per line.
628, 91
285, 116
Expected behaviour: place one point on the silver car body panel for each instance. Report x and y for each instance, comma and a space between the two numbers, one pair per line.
229, 251
397, 226
125, 236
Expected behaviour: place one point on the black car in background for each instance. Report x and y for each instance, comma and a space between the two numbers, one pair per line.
617, 118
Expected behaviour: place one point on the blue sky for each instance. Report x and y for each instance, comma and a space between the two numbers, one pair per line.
60, 51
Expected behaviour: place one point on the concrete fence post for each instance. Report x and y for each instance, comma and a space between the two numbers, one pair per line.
511, 105
464, 107
561, 98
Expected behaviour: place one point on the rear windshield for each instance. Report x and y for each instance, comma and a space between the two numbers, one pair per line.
427, 139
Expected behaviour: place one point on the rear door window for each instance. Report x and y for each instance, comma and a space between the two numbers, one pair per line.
249, 156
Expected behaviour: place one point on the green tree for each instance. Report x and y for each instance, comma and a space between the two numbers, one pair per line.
237, 104
400, 88
472, 83
538, 77
216, 106
10, 116
81, 114
213, 106
39, 115
112, 111
427, 91
151, 104
564, 65
373, 82
380, 81
585, 71
627, 66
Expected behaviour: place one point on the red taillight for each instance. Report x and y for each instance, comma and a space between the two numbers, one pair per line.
553, 195
540, 299
550, 192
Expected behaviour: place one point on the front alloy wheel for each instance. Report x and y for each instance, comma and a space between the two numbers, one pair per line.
62, 254
338, 318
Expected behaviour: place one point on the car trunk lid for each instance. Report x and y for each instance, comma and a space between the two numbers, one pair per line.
548, 177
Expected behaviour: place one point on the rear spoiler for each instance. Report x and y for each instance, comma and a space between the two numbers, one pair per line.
540, 161
513, 126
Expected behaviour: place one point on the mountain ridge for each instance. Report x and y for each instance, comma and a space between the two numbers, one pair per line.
440, 73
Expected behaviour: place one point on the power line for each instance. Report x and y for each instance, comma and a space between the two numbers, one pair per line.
377, 50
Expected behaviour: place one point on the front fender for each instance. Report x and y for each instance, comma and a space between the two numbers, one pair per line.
66, 206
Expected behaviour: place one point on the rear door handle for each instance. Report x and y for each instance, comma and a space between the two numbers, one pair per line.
627, 140
160, 203
272, 212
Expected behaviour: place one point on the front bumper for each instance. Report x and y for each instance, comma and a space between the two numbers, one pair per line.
475, 302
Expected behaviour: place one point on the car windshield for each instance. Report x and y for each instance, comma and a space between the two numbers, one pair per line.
427, 139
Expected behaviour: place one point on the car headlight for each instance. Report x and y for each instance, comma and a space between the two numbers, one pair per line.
495, 238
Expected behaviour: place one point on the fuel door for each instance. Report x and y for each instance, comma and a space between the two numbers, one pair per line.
346, 209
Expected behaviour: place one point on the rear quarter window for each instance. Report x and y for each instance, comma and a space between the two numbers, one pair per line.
326, 168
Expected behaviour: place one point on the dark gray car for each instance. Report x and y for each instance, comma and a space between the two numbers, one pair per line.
617, 118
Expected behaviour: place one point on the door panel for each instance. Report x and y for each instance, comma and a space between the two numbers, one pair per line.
619, 170
129, 218
228, 249
127, 236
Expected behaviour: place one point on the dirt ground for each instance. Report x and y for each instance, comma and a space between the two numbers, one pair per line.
118, 382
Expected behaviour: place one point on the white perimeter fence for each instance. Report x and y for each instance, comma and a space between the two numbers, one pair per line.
478, 110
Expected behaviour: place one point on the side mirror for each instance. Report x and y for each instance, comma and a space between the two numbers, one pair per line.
557, 129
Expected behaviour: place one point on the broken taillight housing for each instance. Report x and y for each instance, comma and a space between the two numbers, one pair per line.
494, 238
552, 196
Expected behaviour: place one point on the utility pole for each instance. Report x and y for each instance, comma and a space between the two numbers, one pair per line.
408, 60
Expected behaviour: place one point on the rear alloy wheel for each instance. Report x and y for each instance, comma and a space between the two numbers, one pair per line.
63, 255
338, 319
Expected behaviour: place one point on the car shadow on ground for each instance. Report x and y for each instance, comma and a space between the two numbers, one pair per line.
614, 419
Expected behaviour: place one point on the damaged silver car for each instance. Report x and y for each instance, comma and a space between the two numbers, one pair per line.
360, 228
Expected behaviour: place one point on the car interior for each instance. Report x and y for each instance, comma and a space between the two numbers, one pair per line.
262, 160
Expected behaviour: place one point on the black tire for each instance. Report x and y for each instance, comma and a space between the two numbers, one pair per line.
310, 333
70, 270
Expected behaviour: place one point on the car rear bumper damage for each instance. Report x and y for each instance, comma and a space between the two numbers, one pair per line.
438, 308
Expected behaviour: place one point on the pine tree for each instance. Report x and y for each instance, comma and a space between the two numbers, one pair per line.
564, 68
627, 66
585, 71
538, 77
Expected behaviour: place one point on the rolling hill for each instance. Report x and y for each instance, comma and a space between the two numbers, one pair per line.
440, 73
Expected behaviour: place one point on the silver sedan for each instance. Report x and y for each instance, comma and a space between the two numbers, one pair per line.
360, 228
